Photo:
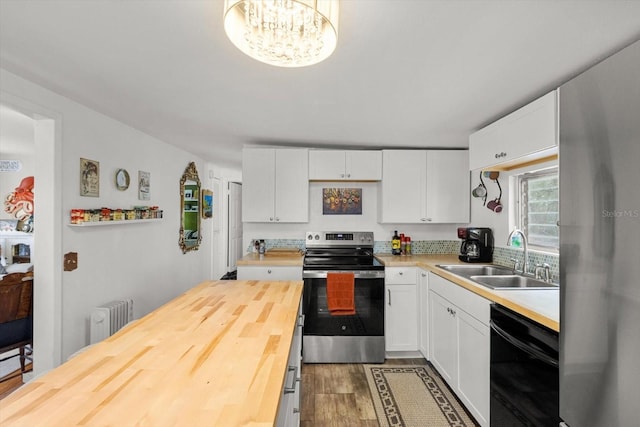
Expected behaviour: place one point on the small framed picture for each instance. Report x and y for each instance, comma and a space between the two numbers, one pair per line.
89, 178
207, 204
144, 185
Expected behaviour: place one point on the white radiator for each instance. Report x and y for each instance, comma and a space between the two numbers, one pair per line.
107, 319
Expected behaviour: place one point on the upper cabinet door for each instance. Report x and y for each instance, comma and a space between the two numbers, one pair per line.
258, 184
292, 185
403, 187
275, 185
437, 190
363, 165
528, 134
448, 186
340, 165
326, 165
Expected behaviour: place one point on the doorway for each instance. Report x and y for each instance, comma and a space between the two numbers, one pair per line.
47, 302
234, 248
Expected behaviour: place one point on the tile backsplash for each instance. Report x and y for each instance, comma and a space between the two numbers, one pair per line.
501, 256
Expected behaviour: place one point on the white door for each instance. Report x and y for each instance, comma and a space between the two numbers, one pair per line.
235, 224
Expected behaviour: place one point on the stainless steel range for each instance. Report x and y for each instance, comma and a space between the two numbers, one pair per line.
355, 338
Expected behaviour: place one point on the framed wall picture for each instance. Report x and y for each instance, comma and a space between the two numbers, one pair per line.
89, 178
122, 179
342, 201
207, 204
144, 185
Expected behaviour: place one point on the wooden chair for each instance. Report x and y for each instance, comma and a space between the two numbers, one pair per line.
16, 314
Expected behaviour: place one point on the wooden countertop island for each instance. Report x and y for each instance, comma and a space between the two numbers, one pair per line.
214, 356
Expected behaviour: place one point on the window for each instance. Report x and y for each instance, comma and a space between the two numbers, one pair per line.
539, 207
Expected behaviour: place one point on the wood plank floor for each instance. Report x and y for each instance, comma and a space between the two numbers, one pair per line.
337, 395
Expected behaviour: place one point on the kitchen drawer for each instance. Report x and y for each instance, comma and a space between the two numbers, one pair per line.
269, 273
400, 276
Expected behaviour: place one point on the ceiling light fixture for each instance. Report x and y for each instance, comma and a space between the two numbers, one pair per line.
285, 33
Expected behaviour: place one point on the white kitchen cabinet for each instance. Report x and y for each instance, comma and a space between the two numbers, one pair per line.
275, 185
289, 409
401, 309
423, 312
460, 343
349, 165
528, 134
474, 365
258, 272
424, 186
443, 336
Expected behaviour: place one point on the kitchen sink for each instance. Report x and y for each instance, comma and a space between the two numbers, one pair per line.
477, 270
497, 277
512, 282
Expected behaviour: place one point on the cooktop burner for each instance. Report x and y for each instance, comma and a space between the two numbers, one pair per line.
340, 251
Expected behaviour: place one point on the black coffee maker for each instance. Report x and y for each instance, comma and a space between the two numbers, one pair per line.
477, 244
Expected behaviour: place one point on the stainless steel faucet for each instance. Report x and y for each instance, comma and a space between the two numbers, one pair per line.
525, 261
543, 272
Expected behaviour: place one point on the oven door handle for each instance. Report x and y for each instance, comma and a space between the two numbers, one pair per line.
531, 351
321, 274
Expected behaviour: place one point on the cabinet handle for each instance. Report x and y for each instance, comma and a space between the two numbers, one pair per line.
270, 218
389, 293
269, 271
348, 175
341, 175
429, 219
400, 273
301, 320
423, 219
292, 389
424, 274
277, 219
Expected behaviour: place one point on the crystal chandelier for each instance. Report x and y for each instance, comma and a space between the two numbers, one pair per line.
285, 33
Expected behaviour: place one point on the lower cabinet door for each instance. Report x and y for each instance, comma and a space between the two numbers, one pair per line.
473, 375
401, 318
443, 337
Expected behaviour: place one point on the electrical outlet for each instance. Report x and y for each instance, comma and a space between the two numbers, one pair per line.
70, 261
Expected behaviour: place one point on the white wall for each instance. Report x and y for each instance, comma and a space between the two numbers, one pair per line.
502, 223
139, 261
368, 221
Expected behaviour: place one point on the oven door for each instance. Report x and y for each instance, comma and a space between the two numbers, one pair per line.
357, 338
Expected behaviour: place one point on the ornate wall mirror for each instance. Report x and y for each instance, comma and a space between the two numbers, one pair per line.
190, 235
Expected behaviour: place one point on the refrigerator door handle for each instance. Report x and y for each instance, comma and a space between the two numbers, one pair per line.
531, 351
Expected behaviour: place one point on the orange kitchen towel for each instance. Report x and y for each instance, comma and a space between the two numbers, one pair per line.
340, 294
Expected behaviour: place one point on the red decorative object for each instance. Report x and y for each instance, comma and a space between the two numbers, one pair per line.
20, 202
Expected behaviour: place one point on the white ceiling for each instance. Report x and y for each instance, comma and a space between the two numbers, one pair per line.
406, 73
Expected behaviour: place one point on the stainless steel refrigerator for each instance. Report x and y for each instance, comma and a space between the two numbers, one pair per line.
600, 244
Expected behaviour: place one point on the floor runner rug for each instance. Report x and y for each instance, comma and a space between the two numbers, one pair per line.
413, 396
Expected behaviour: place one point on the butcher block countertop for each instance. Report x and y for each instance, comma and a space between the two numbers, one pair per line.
216, 356
542, 306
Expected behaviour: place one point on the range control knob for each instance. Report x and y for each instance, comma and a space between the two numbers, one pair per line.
310, 237
317, 237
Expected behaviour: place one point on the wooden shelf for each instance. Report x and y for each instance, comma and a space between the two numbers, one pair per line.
122, 222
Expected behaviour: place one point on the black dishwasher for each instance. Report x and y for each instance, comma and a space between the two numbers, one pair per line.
524, 371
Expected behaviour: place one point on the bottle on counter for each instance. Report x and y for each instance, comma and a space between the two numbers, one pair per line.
403, 245
407, 248
263, 247
395, 243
